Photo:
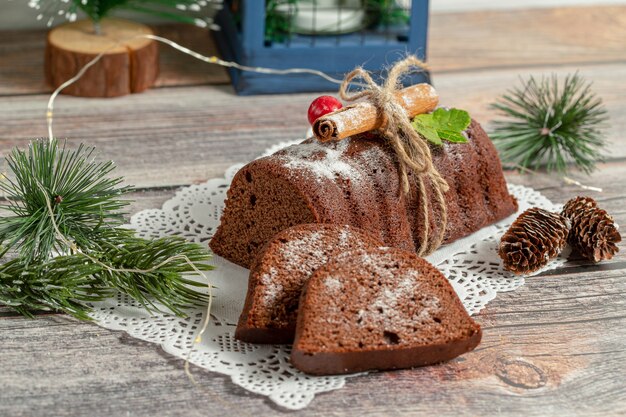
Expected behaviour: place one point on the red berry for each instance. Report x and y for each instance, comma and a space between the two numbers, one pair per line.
321, 106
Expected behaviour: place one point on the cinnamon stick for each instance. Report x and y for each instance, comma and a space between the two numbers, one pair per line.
364, 116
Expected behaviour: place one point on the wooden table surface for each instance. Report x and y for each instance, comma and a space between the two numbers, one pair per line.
556, 346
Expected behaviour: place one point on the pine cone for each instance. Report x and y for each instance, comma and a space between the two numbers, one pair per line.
576, 207
593, 234
534, 238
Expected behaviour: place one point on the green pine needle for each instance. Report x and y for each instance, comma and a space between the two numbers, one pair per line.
70, 283
85, 200
62, 201
63, 284
163, 262
551, 124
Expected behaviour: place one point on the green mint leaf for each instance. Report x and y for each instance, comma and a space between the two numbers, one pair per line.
451, 136
453, 119
443, 124
423, 124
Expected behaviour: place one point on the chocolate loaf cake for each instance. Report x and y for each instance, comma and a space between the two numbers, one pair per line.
355, 181
281, 270
379, 309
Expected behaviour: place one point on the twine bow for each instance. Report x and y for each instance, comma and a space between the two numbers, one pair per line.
412, 151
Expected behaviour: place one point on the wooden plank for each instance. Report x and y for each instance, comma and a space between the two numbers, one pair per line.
526, 38
180, 69
175, 136
21, 66
554, 347
455, 6
16, 16
201, 130
557, 338
476, 90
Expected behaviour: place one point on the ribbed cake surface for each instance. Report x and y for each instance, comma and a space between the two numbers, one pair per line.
281, 270
355, 181
379, 309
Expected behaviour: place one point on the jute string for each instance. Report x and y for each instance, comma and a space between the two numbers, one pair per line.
412, 151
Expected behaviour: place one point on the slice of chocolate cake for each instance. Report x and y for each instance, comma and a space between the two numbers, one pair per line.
379, 309
281, 270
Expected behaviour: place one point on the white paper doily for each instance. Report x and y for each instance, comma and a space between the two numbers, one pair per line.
471, 264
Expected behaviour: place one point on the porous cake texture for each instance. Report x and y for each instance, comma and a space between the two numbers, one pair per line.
382, 308
281, 270
355, 181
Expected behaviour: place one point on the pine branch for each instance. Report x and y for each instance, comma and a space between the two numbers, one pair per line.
151, 272
65, 283
85, 200
551, 124
63, 201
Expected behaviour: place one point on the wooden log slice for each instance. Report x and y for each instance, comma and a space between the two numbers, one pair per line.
129, 65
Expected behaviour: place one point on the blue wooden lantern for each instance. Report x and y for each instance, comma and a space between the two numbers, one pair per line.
242, 39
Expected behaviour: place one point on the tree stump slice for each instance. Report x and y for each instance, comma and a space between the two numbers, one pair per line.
129, 65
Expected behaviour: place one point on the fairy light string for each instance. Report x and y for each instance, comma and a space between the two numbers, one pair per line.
212, 59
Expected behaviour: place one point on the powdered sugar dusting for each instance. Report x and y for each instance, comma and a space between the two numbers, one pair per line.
430, 306
300, 257
397, 290
344, 237
415, 97
390, 297
311, 250
272, 287
310, 244
320, 161
353, 116
333, 284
